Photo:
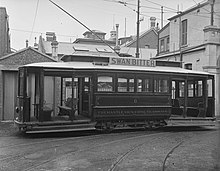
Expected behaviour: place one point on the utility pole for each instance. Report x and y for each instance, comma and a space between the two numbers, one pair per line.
161, 16
138, 24
212, 11
125, 27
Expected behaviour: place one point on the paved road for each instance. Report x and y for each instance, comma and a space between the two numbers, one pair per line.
170, 149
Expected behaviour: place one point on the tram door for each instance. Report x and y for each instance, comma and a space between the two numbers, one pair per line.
84, 96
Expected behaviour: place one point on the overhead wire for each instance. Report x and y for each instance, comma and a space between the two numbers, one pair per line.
38, 32
35, 16
215, 13
162, 5
191, 27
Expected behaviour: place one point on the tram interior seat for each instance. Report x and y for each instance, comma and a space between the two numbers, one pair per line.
202, 112
197, 111
176, 108
67, 109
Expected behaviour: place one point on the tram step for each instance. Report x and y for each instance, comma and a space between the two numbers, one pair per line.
61, 128
179, 121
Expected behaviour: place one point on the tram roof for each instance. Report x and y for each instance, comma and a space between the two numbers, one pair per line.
92, 66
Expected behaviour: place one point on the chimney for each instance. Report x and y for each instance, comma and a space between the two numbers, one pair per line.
35, 43
113, 34
49, 36
26, 43
54, 46
152, 22
117, 48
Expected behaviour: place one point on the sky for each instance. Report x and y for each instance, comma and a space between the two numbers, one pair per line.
31, 18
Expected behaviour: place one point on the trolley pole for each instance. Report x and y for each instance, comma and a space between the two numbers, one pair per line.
138, 24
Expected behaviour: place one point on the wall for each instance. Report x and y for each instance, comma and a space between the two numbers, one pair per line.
196, 21
11, 63
196, 58
4, 34
150, 39
1, 93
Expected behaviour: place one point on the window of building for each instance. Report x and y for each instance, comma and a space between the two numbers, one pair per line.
162, 45
105, 83
168, 44
184, 32
188, 66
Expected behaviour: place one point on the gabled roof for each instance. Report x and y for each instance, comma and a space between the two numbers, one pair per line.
199, 5
95, 31
99, 50
65, 48
141, 35
22, 57
23, 50
95, 41
167, 25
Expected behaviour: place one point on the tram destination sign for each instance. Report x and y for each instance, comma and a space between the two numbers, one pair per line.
132, 62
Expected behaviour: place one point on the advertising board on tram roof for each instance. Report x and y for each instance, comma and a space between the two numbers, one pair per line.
132, 62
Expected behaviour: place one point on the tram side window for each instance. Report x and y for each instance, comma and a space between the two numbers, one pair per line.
181, 89
209, 82
105, 83
21, 82
199, 89
190, 89
125, 84
144, 85
161, 85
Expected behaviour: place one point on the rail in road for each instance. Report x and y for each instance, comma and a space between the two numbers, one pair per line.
96, 151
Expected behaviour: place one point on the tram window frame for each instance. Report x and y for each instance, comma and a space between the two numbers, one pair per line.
210, 87
144, 84
158, 85
191, 89
21, 82
181, 89
112, 83
199, 88
129, 82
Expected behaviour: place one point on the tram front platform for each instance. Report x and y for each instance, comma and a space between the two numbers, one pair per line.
176, 120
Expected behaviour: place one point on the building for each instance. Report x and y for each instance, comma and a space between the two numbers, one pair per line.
8, 77
5, 47
91, 38
147, 39
193, 38
90, 45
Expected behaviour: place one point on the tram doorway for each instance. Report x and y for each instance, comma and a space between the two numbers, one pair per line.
193, 97
76, 91
84, 96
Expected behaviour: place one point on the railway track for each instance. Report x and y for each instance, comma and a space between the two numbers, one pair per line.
19, 151
73, 148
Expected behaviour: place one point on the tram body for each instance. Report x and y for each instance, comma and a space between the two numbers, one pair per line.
85, 95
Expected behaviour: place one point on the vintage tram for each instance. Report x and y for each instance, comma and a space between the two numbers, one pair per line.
122, 92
